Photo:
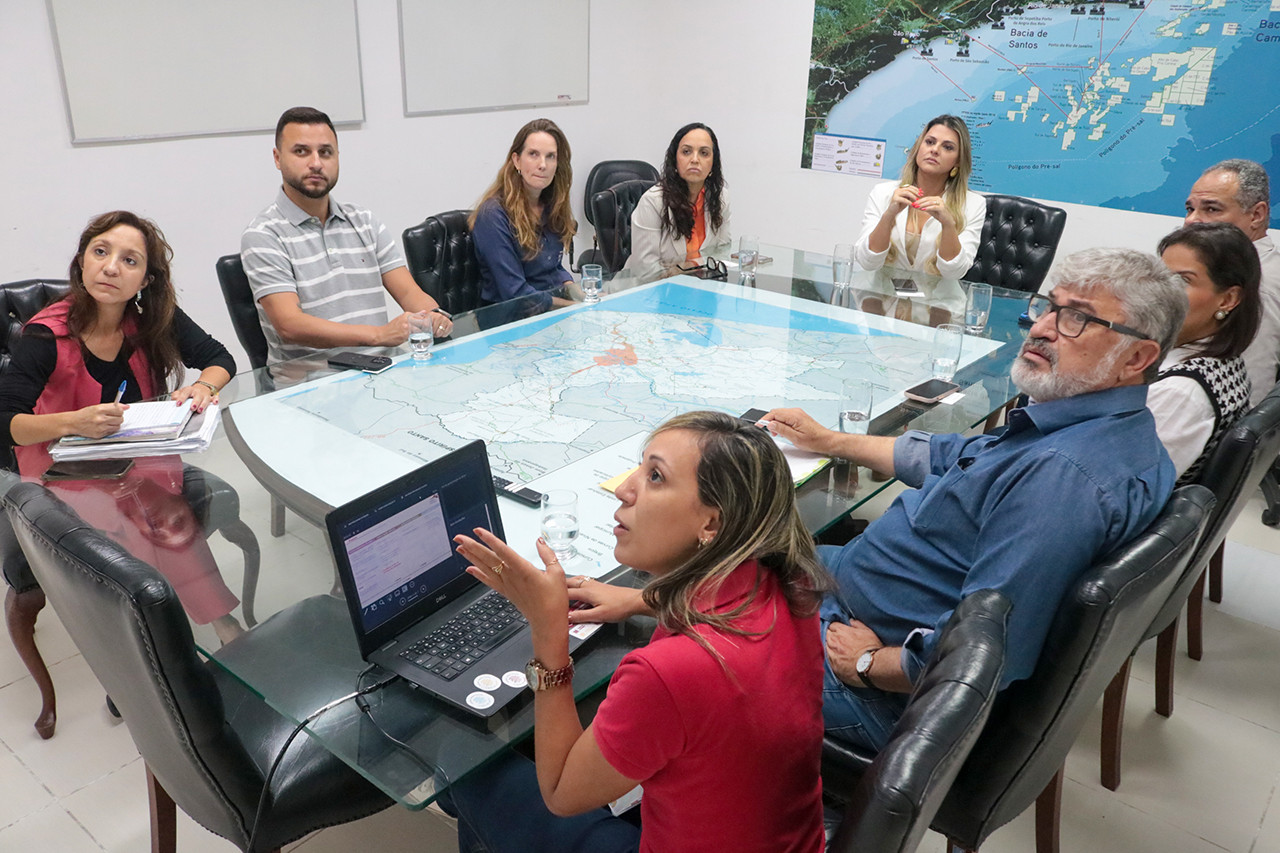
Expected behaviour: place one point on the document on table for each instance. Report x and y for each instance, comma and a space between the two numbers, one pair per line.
196, 437
143, 422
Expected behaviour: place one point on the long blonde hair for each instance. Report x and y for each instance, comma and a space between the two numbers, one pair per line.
508, 189
744, 475
955, 192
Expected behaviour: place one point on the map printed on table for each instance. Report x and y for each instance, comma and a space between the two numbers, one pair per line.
546, 393
565, 399
1116, 103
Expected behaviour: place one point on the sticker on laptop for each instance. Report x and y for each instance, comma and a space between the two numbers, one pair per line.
487, 682
479, 700
582, 630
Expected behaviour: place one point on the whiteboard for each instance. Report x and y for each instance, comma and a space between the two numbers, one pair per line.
138, 69
472, 55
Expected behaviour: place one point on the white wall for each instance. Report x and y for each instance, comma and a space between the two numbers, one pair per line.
748, 81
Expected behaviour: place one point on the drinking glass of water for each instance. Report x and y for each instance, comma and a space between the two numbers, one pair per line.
842, 265
560, 521
977, 308
421, 337
856, 397
748, 255
945, 356
592, 277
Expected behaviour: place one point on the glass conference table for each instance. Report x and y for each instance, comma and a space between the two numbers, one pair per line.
562, 393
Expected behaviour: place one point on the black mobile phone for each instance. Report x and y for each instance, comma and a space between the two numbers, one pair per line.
359, 361
517, 492
931, 391
753, 415
905, 287
88, 469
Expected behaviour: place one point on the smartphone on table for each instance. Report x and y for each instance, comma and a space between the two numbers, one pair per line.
931, 391
359, 361
87, 469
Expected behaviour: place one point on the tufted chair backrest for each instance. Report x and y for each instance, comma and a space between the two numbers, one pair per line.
22, 300
610, 173
613, 208
442, 260
1019, 239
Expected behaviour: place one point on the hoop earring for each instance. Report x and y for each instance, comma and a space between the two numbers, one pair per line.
137, 301
1221, 314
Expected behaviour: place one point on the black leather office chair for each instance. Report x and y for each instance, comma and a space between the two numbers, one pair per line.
1019, 240
1271, 496
1019, 758
207, 740
20, 300
613, 208
243, 309
603, 175
1232, 472
442, 259
215, 505
901, 788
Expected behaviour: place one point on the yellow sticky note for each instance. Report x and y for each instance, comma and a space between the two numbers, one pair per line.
611, 485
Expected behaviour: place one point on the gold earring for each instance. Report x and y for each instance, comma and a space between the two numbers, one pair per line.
955, 170
703, 542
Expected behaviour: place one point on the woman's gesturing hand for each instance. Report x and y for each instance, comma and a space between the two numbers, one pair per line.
540, 595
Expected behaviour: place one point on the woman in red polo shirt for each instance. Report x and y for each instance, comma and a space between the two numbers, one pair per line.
686, 212
719, 717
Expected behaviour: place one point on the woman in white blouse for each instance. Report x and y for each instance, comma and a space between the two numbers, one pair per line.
928, 221
1203, 387
686, 212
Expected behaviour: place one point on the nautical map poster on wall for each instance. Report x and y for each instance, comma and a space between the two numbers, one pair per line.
1119, 104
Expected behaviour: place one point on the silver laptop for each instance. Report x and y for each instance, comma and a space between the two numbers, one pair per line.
415, 610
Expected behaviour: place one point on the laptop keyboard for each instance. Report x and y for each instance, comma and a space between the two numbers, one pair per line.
455, 646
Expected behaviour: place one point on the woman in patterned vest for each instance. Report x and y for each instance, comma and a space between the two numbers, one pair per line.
1202, 388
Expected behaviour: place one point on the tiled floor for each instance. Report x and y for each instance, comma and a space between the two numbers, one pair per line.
1203, 780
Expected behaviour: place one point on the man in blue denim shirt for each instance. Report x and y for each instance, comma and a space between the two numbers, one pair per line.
1077, 473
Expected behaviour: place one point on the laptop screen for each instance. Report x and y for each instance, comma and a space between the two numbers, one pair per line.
394, 546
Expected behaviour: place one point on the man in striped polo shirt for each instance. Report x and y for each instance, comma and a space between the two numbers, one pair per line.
319, 268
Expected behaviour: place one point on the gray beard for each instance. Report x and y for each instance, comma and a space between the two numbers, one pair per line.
1051, 385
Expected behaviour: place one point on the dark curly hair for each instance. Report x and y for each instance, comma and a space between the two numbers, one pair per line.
677, 210
153, 333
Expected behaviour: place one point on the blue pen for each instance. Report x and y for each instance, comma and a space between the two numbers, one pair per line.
120, 392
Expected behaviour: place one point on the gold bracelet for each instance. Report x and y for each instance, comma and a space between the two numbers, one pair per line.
209, 385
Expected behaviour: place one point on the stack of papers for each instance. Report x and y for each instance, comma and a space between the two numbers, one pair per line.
195, 436
143, 422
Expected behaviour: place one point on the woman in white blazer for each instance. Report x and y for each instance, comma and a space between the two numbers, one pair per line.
686, 212
928, 221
